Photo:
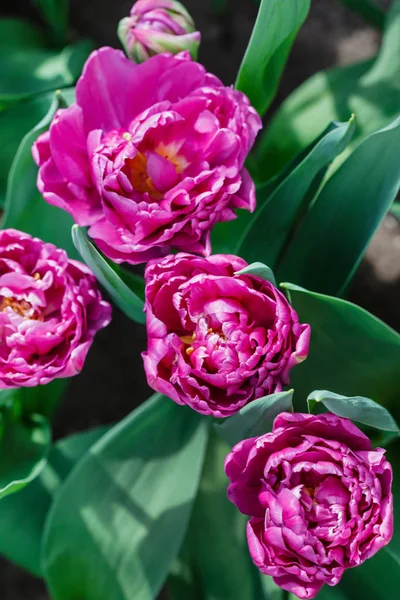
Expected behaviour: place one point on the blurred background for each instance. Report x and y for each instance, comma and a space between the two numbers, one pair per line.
112, 382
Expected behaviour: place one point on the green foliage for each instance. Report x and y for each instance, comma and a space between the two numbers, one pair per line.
126, 289
15, 122
26, 512
24, 207
357, 408
28, 67
370, 89
55, 13
256, 418
330, 241
351, 351
369, 10
269, 231
259, 270
275, 30
119, 521
24, 443
215, 563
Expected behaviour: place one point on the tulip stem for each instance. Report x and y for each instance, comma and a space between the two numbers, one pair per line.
285, 595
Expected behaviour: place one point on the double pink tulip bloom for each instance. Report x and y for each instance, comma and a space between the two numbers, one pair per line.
50, 310
150, 156
319, 499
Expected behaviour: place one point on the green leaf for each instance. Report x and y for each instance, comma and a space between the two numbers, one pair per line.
55, 13
256, 418
356, 408
120, 518
275, 30
42, 399
368, 10
16, 34
29, 68
334, 234
369, 89
24, 207
26, 512
225, 236
122, 292
351, 351
273, 225
260, 270
216, 545
24, 445
15, 121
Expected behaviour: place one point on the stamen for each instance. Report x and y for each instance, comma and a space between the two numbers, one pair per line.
127, 136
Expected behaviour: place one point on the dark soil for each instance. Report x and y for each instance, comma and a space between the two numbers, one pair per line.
112, 382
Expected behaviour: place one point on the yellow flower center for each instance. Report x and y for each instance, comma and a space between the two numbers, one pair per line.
21, 308
137, 166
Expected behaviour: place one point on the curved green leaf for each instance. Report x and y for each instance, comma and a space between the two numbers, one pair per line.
351, 351
24, 207
254, 419
55, 13
277, 24
330, 242
110, 276
24, 445
15, 122
216, 550
272, 226
356, 408
260, 270
16, 34
31, 68
24, 547
121, 515
370, 89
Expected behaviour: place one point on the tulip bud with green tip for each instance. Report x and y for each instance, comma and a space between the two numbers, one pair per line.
156, 26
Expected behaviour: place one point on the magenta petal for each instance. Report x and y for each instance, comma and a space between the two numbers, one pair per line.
50, 312
161, 172
68, 146
104, 78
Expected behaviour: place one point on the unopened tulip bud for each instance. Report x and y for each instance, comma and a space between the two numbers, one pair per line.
156, 26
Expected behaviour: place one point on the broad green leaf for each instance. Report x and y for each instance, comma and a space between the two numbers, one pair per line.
15, 122
254, 419
55, 13
260, 270
121, 291
277, 24
330, 242
368, 10
24, 207
120, 518
370, 89
270, 230
16, 34
24, 444
225, 236
31, 68
216, 541
23, 515
396, 210
357, 408
351, 351
42, 399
